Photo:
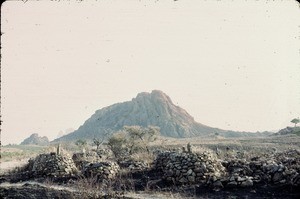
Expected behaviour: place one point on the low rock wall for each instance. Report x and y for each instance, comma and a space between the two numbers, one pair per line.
205, 169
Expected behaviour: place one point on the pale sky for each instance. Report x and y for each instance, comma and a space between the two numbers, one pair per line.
231, 64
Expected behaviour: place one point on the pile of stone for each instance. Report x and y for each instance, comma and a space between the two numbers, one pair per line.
133, 165
101, 170
81, 159
189, 168
52, 165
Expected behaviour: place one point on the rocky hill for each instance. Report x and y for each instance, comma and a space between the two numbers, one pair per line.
155, 109
35, 139
289, 131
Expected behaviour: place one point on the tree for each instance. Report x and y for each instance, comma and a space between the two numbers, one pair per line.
81, 143
139, 137
99, 141
132, 139
117, 143
295, 121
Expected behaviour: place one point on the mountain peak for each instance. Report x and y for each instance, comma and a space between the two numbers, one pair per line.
158, 93
155, 109
154, 96
161, 95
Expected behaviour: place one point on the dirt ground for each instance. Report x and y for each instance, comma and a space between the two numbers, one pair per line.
9, 165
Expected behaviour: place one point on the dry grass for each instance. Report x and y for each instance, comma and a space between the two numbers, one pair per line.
87, 187
145, 157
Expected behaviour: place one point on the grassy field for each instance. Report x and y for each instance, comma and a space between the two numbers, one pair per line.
264, 144
15, 152
278, 143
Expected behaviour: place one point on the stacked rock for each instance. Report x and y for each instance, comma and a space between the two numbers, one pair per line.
81, 159
279, 169
189, 168
133, 165
53, 165
239, 174
101, 170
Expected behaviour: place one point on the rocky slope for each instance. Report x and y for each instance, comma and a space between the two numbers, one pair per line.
35, 139
289, 131
155, 109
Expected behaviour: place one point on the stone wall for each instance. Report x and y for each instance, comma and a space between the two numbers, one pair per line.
52, 165
279, 169
182, 168
204, 169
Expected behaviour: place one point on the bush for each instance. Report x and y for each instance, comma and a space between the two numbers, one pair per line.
117, 144
133, 139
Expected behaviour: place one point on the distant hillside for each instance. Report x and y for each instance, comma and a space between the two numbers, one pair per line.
288, 131
35, 139
156, 109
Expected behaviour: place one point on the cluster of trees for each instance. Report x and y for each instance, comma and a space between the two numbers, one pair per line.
130, 140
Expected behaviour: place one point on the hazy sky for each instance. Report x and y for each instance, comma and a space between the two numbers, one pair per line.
231, 64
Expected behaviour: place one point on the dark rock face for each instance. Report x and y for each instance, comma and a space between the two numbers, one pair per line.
35, 139
155, 109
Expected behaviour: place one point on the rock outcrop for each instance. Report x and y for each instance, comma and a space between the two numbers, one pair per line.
147, 109
35, 139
